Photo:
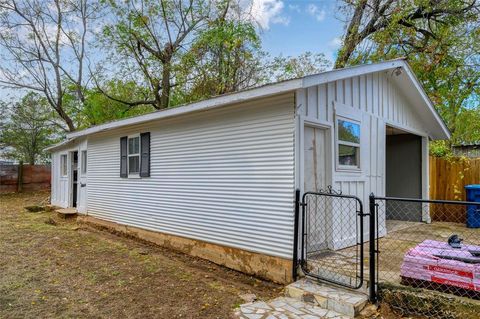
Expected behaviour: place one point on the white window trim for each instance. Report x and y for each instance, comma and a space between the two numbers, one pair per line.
134, 175
349, 114
83, 163
66, 165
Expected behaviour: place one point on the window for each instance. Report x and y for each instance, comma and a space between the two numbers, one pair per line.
134, 155
84, 162
348, 141
63, 165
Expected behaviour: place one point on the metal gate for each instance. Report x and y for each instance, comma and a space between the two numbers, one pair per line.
332, 230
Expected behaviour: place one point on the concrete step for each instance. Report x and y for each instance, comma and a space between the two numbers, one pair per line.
284, 308
70, 212
333, 298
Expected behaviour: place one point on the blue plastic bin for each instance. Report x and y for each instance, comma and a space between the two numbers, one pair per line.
473, 211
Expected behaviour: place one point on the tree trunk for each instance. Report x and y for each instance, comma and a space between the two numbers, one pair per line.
352, 36
346, 52
66, 118
58, 107
165, 97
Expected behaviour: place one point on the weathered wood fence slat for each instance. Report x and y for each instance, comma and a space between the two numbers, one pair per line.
448, 178
15, 178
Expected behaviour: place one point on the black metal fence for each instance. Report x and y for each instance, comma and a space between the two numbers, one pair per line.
414, 249
425, 245
332, 238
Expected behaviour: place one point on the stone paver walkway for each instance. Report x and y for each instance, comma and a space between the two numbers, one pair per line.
284, 308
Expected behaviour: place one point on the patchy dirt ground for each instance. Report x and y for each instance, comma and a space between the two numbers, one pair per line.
69, 270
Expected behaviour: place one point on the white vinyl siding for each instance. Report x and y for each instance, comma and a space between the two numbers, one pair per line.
224, 176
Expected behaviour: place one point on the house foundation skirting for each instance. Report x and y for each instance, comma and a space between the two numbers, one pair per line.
273, 268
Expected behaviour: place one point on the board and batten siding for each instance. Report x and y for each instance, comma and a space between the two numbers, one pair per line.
380, 102
224, 176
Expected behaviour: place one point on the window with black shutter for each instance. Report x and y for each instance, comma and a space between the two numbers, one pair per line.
135, 155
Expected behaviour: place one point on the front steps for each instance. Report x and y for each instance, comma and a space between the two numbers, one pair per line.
341, 300
66, 213
307, 299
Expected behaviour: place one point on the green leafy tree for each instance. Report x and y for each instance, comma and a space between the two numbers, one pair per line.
290, 67
440, 40
148, 38
99, 108
404, 22
224, 57
27, 129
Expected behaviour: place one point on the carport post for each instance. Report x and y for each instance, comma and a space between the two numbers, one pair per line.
372, 264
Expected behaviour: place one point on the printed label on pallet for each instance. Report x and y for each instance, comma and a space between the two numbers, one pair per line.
450, 271
459, 284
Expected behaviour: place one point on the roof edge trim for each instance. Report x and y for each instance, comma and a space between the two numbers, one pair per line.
426, 99
264, 91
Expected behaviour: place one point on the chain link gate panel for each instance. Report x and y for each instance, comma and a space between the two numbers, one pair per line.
332, 238
435, 256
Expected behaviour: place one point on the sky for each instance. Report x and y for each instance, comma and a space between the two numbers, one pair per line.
287, 27
291, 27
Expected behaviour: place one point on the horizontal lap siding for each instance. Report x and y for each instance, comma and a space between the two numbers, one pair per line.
223, 176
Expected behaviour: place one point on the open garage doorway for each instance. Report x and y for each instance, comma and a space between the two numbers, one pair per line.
403, 173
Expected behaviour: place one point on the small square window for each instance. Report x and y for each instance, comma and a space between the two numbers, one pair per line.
133, 164
348, 155
348, 144
134, 145
348, 131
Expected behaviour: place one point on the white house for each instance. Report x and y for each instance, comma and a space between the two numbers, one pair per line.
217, 178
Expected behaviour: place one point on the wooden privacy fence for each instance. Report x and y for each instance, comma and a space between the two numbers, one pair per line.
14, 178
448, 178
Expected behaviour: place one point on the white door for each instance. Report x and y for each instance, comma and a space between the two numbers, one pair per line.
315, 180
315, 167
82, 182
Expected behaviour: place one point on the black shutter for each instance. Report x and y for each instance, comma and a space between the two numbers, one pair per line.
123, 156
145, 154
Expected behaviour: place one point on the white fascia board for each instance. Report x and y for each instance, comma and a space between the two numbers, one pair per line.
259, 92
353, 71
263, 91
58, 145
445, 131
336, 75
